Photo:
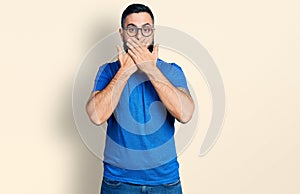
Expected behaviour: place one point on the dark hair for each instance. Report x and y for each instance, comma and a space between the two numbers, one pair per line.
135, 8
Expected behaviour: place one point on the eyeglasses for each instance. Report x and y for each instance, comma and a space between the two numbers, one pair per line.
146, 30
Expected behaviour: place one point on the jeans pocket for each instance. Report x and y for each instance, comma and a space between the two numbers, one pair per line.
110, 182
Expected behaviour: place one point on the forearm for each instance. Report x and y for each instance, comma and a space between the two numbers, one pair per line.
179, 103
102, 103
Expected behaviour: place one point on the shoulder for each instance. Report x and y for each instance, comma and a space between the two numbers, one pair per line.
114, 63
107, 70
110, 67
163, 65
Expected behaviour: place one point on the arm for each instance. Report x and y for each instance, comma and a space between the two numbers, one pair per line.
178, 101
102, 103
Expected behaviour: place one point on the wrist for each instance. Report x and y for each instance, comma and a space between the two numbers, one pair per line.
125, 73
153, 72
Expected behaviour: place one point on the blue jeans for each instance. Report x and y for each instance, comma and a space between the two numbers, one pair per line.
115, 187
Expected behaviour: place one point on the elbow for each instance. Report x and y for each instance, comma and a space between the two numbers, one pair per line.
94, 117
186, 115
95, 120
184, 118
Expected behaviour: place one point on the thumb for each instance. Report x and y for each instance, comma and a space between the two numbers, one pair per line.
119, 50
155, 51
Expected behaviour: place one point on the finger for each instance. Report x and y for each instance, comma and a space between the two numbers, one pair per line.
148, 43
155, 51
126, 57
119, 50
134, 48
136, 43
143, 41
132, 55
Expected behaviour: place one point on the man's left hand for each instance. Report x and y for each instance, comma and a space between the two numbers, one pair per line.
143, 58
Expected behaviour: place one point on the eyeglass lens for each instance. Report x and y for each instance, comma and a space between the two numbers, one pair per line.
146, 30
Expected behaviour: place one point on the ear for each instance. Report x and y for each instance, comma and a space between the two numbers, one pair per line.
121, 32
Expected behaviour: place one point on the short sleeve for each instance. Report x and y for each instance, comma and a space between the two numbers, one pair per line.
174, 74
103, 78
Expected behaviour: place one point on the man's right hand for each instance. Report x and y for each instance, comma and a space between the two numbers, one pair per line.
126, 62
102, 103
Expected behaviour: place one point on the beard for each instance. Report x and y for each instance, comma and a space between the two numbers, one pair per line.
150, 47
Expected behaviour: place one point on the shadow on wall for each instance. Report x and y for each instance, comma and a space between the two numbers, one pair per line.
86, 169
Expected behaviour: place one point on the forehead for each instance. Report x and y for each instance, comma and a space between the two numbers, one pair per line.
138, 19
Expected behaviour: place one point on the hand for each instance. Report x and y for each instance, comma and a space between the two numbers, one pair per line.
143, 58
126, 62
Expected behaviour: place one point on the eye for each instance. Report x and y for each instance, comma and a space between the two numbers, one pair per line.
147, 29
131, 29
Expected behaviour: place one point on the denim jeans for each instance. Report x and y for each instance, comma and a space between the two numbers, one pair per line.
115, 187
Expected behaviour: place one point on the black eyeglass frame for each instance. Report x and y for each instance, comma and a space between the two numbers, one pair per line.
139, 28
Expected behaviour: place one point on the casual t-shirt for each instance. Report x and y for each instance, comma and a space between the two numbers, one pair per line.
140, 147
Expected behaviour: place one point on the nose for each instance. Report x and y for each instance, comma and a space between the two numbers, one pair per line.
139, 34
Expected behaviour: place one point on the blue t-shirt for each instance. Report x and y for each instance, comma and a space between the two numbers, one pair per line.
140, 147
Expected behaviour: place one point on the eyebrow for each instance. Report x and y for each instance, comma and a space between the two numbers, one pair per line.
137, 26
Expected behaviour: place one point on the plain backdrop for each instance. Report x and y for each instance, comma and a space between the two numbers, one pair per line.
255, 45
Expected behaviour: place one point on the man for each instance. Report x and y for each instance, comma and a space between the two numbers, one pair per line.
140, 96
